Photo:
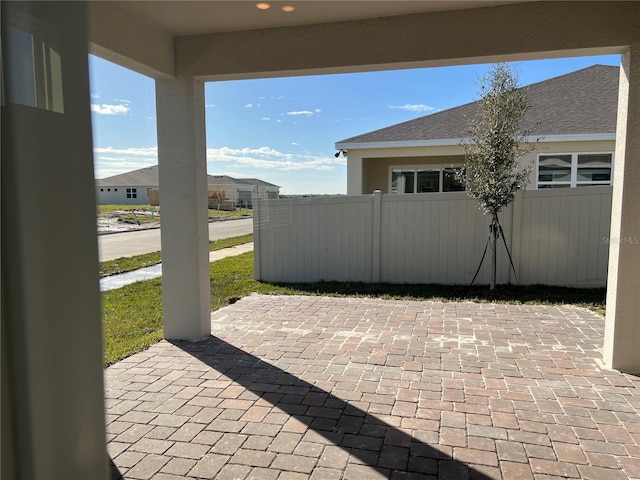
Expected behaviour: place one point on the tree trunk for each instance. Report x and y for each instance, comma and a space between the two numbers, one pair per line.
494, 236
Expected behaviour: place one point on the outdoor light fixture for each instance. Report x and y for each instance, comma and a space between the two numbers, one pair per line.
343, 152
288, 8
263, 6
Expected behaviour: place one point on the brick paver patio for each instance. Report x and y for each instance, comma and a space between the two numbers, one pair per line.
294, 388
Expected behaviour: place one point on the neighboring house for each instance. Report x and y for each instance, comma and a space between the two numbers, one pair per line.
138, 187
129, 188
574, 114
241, 190
557, 235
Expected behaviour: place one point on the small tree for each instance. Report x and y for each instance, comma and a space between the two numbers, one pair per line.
496, 142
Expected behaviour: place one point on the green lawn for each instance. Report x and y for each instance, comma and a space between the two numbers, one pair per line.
127, 264
224, 215
133, 314
108, 209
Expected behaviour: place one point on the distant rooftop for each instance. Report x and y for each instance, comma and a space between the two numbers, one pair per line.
148, 177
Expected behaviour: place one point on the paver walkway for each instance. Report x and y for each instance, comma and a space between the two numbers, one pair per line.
294, 388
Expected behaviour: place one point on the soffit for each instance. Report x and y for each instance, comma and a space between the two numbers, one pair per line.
180, 18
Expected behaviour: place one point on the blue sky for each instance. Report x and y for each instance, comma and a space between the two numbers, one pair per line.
283, 130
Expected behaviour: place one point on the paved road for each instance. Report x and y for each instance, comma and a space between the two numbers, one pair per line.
127, 244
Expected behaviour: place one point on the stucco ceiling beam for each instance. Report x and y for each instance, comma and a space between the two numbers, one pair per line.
128, 40
508, 32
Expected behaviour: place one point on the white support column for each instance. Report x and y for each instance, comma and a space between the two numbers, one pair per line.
183, 192
53, 423
622, 330
354, 175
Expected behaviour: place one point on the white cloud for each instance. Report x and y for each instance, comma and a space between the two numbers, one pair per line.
209, 105
411, 107
271, 159
306, 113
109, 161
248, 162
252, 105
106, 109
94, 95
127, 152
127, 102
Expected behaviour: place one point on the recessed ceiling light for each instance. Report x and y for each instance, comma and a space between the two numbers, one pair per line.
263, 6
288, 8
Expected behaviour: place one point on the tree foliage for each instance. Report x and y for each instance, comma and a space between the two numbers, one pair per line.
496, 142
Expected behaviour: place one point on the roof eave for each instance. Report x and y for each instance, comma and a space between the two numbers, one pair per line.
447, 142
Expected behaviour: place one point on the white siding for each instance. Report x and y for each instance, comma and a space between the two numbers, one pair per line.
118, 196
556, 237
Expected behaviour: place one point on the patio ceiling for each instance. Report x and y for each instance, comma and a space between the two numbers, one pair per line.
179, 18
222, 40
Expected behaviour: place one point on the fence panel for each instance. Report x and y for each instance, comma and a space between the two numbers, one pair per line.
313, 239
436, 238
556, 236
564, 236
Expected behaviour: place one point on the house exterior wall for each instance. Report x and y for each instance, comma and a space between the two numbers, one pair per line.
546, 148
556, 237
374, 173
118, 195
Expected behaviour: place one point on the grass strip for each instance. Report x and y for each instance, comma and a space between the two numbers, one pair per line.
234, 214
133, 313
128, 264
132, 319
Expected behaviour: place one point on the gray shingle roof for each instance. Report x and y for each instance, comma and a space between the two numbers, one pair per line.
257, 181
581, 102
141, 177
223, 180
148, 177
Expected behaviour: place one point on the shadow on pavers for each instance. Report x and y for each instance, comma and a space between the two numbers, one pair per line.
390, 451
113, 471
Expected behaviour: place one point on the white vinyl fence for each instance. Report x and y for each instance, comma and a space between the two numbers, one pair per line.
556, 237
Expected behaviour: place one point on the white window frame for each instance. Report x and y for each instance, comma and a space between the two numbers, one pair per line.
46, 62
440, 167
573, 182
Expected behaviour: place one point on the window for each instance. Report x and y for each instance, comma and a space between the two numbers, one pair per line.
424, 179
34, 70
402, 181
132, 193
574, 170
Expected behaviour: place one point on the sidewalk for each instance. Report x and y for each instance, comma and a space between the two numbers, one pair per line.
147, 273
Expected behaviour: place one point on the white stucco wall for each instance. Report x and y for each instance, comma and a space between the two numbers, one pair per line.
118, 196
360, 161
